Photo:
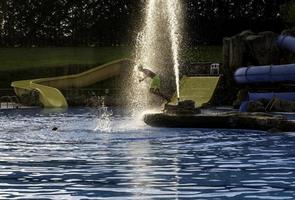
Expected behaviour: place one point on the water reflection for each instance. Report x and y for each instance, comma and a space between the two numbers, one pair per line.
138, 162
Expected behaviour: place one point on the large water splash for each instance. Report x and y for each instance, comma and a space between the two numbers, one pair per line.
157, 48
174, 10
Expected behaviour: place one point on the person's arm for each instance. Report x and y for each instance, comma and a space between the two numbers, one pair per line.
140, 80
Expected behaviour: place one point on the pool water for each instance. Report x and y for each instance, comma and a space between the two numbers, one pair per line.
133, 161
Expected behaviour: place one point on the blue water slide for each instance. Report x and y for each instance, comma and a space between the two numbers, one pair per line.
266, 74
269, 74
287, 42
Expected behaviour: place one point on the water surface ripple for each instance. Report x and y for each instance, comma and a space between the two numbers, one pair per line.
134, 161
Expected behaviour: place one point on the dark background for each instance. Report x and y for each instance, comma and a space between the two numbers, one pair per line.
115, 22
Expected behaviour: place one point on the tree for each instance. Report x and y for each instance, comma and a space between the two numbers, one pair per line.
288, 13
113, 22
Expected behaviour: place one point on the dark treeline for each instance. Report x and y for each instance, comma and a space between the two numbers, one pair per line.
67, 22
211, 20
114, 22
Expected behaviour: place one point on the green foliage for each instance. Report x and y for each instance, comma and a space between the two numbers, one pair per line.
111, 22
22, 58
67, 22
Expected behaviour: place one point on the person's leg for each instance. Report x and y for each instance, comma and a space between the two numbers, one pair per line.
163, 96
155, 88
158, 93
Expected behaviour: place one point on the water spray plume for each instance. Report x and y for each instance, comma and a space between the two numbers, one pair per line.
174, 10
157, 48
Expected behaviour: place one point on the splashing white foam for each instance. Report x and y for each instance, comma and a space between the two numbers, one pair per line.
104, 120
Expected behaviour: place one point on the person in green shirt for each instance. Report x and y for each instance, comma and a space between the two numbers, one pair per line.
155, 83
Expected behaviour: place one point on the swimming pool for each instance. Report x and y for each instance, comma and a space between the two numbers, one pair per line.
134, 161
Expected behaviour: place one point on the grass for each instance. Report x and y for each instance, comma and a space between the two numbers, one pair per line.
23, 58
203, 54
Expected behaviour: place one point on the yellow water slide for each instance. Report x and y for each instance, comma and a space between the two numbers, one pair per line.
49, 88
200, 89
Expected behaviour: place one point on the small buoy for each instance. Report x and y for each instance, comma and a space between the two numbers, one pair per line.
54, 128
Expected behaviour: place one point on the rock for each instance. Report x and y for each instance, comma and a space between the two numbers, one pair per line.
183, 107
256, 106
248, 48
279, 105
188, 104
241, 96
262, 48
246, 33
273, 105
233, 120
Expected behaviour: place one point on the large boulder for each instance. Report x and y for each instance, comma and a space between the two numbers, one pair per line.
183, 107
262, 49
248, 48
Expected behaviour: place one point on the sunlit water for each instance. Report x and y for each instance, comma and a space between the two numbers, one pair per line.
134, 161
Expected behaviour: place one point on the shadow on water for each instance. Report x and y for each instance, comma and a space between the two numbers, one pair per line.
53, 110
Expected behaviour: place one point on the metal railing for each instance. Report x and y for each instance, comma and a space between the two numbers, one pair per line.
9, 102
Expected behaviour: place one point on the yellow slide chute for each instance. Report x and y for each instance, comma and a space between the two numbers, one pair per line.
200, 89
49, 88
49, 97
